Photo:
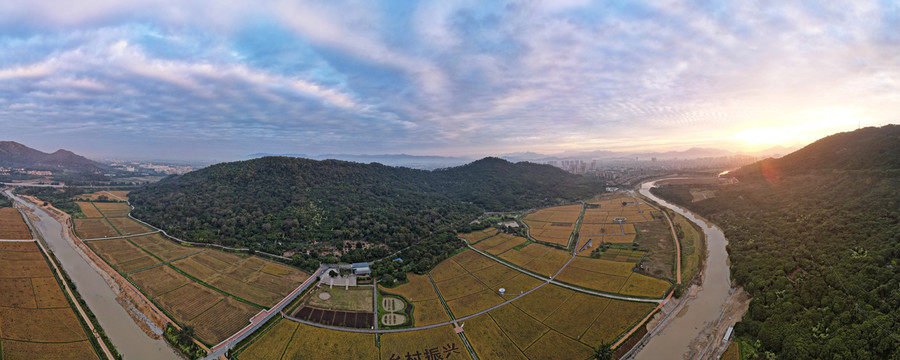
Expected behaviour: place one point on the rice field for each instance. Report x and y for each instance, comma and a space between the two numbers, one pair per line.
441, 340
489, 341
12, 226
473, 303
551, 232
477, 236
554, 345
576, 314
94, 228
418, 288
113, 209
228, 290
292, 340
36, 320
427, 312
223, 319
645, 286
126, 226
88, 209
568, 213
617, 318
521, 328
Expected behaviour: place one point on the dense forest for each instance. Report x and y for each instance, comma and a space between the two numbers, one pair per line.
281, 203
814, 237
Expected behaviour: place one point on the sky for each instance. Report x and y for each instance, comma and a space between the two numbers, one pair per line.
219, 80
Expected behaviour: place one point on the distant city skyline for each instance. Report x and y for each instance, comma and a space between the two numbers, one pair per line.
217, 81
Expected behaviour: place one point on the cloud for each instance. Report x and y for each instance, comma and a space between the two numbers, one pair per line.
438, 76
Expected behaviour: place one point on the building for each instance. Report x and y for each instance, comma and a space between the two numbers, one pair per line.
361, 269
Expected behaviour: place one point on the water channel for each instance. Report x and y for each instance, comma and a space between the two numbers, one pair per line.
121, 329
676, 336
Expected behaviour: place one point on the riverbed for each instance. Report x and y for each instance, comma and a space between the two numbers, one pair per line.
122, 331
676, 337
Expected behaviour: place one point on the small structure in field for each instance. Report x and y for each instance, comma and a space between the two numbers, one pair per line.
361, 269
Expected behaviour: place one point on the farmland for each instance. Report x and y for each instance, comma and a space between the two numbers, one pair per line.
110, 195
500, 243
94, 228
441, 340
553, 225
477, 236
88, 209
214, 291
551, 322
36, 320
113, 209
12, 226
292, 340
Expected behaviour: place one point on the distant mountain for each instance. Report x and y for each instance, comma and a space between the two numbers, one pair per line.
292, 200
15, 155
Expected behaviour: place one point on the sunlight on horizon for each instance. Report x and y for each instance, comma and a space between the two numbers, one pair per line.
813, 125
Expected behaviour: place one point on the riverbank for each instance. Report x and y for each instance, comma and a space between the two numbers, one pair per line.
694, 326
94, 287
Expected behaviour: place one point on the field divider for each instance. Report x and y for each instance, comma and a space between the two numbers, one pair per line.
122, 237
164, 262
204, 283
567, 285
461, 334
106, 218
576, 233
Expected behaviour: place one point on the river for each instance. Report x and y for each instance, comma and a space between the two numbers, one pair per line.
121, 329
676, 336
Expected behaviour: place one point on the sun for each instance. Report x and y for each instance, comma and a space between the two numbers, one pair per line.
757, 137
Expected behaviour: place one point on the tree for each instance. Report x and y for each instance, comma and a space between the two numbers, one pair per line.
186, 335
603, 351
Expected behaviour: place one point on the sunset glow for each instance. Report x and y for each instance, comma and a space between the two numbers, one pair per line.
158, 79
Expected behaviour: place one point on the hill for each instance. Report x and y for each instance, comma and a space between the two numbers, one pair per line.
282, 203
814, 237
867, 149
16, 155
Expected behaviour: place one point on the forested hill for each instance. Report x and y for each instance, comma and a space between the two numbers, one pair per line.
292, 201
867, 149
817, 245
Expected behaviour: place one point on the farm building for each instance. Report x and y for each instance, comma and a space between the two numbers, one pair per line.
361, 268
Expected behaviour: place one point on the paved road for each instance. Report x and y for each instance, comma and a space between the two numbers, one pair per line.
260, 319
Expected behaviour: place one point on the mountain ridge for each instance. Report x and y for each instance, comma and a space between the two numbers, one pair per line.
16, 155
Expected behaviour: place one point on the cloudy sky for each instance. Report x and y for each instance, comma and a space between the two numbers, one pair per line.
218, 80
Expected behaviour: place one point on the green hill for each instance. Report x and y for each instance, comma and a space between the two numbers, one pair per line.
815, 238
281, 203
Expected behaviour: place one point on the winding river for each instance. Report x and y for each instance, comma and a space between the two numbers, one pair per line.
674, 339
124, 333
